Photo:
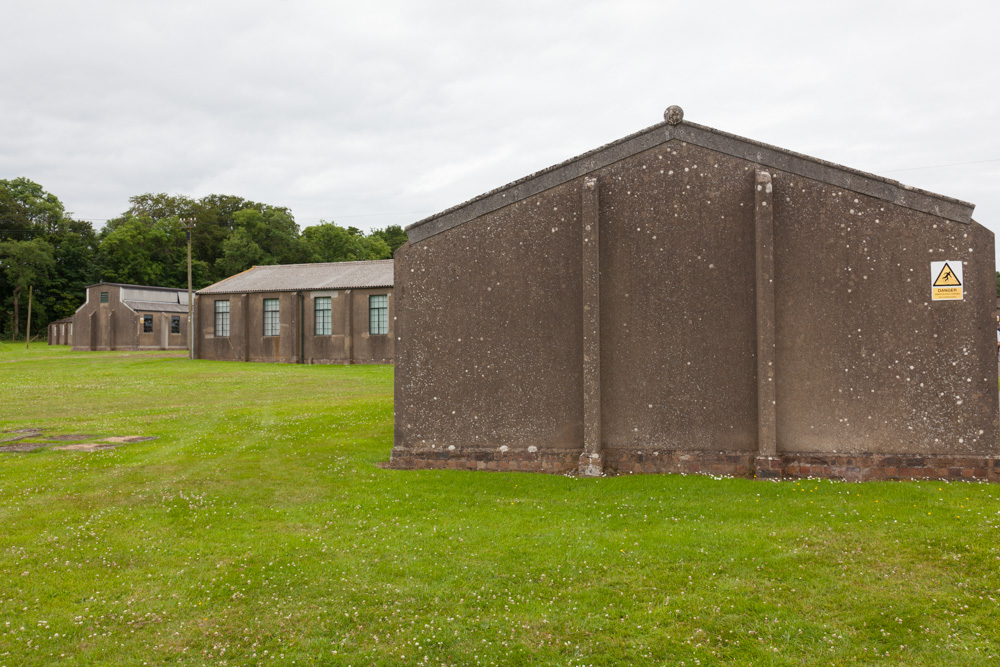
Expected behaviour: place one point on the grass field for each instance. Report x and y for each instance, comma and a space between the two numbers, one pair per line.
258, 529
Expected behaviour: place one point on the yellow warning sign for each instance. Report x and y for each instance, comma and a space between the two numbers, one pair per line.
946, 281
947, 278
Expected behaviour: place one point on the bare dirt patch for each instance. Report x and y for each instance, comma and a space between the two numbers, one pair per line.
23, 447
88, 446
21, 434
128, 439
28, 440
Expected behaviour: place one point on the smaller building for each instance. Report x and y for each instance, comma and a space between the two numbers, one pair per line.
131, 317
61, 332
325, 313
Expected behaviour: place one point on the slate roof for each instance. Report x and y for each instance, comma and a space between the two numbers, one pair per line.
295, 277
158, 306
147, 287
706, 137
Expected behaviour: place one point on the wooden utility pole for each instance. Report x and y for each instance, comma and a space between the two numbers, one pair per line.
188, 224
27, 325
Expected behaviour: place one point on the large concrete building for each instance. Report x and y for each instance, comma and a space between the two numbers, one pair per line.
328, 313
686, 300
131, 317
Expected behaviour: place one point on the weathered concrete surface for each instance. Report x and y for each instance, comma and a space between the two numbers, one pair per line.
740, 329
490, 342
866, 362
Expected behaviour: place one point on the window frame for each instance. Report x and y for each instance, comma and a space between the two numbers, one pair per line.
105, 297
221, 318
175, 324
378, 315
322, 316
272, 317
147, 324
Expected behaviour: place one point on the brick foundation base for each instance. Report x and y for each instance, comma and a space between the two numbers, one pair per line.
559, 461
865, 467
626, 461
850, 467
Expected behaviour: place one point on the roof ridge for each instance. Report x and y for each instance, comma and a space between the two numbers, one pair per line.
106, 282
705, 137
351, 261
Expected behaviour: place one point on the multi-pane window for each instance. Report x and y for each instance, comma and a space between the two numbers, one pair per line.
378, 314
221, 319
147, 324
175, 324
322, 310
272, 326
104, 297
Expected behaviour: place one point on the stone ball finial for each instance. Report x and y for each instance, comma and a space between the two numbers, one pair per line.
673, 115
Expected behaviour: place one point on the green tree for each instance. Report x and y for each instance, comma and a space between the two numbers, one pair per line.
215, 222
74, 248
141, 251
26, 265
127, 254
239, 253
28, 212
15, 222
41, 210
151, 207
393, 235
329, 242
269, 236
275, 231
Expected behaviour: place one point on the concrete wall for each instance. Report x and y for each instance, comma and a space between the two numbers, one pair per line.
349, 342
115, 326
686, 310
60, 333
866, 361
161, 338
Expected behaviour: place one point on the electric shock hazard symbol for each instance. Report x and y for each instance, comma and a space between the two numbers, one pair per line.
946, 281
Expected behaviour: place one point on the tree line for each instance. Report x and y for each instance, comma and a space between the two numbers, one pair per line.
43, 248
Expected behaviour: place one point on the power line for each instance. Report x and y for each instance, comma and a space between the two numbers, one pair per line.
309, 217
938, 166
372, 215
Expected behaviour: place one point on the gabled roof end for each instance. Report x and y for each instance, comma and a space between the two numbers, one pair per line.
674, 127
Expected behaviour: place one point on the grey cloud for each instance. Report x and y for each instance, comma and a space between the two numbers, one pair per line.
378, 113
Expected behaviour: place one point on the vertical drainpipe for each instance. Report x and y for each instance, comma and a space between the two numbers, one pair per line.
349, 325
302, 327
192, 339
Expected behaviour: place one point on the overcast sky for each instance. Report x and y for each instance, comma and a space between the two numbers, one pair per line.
377, 113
